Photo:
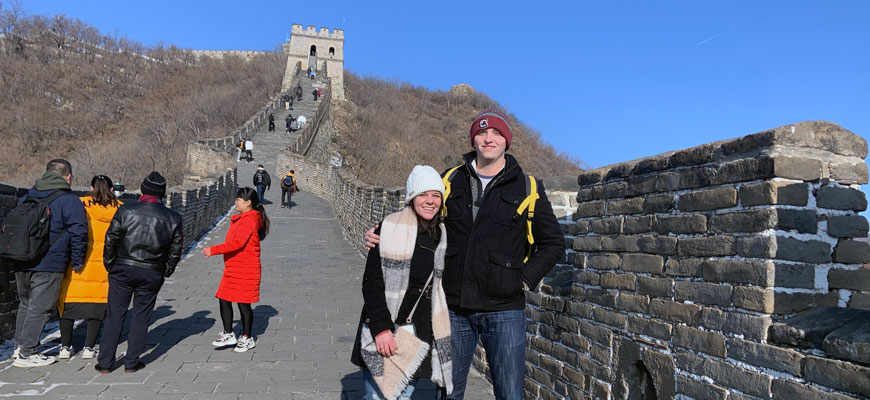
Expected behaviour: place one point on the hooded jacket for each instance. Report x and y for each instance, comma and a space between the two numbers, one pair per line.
67, 212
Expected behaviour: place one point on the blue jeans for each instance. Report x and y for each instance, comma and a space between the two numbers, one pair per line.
374, 393
503, 335
261, 192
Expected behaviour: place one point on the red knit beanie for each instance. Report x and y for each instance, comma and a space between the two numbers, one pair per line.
492, 119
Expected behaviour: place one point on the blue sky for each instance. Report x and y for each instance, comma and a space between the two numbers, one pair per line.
603, 81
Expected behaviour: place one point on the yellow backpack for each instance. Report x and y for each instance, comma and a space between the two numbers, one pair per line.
528, 203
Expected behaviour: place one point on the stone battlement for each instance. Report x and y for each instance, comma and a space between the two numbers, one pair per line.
311, 30
244, 54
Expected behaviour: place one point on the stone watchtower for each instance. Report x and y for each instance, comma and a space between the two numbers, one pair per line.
322, 50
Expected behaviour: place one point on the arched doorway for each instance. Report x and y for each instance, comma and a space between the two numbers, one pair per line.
312, 57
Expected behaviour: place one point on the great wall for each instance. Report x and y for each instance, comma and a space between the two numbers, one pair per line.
731, 270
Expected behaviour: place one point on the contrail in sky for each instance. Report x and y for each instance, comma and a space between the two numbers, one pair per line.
703, 42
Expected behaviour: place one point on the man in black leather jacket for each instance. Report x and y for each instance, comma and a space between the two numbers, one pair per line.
143, 245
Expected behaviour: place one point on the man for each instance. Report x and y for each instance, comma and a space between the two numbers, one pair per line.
272, 120
315, 93
262, 181
249, 148
288, 187
485, 277
143, 246
288, 122
298, 92
38, 282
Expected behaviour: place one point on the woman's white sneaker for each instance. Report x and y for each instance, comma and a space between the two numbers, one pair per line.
34, 360
88, 353
65, 353
225, 339
245, 343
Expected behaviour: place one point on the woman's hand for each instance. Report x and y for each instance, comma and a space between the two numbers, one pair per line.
386, 343
372, 239
206, 251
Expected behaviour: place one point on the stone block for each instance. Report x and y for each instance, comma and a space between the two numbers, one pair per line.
847, 226
602, 261
809, 329
617, 281
798, 168
709, 246
606, 225
579, 228
841, 198
811, 251
802, 221
712, 318
753, 299
625, 206
708, 199
587, 243
785, 389
795, 276
599, 390
711, 343
596, 333
766, 356
659, 287
609, 190
649, 327
588, 209
552, 366
643, 263
586, 277
677, 312
668, 181
690, 363
686, 223
620, 243
640, 185
575, 342
699, 390
774, 192
600, 353
839, 375
574, 377
633, 303
738, 271
850, 342
746, 325
684, 267
541, 345
584, 195
731, 376
659, 203
858, 279
579, 309
860, 301
747, 169
852, 252
742, 221
849, 173
790, 303
703, 292
567, 323
763, 246
638, 224
601, 297
654, 244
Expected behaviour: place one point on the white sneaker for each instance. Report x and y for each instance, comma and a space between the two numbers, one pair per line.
88, 353
245, 343
35, 360
225, 339
15, 352
65, 353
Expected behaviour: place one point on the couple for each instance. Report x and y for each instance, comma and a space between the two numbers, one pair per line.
459, 278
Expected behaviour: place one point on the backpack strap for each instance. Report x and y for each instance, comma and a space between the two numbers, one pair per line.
446, 180
528, 203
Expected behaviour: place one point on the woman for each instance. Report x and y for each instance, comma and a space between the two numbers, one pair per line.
241, 280
84, 293
403, 278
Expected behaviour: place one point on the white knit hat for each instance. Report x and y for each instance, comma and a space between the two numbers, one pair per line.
423, 178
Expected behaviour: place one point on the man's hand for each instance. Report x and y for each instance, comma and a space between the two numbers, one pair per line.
371, 239
386, 343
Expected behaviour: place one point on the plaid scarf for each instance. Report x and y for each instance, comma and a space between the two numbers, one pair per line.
392, 374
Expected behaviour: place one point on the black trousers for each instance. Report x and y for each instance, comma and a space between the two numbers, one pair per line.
126, 283
271, 126
286, 193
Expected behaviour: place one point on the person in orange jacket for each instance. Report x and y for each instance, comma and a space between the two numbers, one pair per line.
241, 279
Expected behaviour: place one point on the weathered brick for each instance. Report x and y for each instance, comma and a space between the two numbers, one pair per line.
552, 366
661, 287
860, 301
847, 226
706, 246
756, 246
601, 297
599, 390
644, 263
575, 342
743, 221
795, 276
774, 192
579, 309
731, 376
649, 327
618, 281
749, 326
686, 223
596, 333
738, 271
687, 267
600, 353
766, 356
602, 261
790, 303
797, 168
802, 221
664, 245
539, 375
836, 374
567, 323
785, 389
852, 252
668, 181
637, 224
588, 209
812, 251
753, 299
609, 190
587, 243
632, 302
676, 312
839, 198
699, 390
574, 376
858, 279
708, 199
584, 195
541, 345
620, 243
586, 277
625, 206
703, 292
702, 341
580, 228
659, 203
606, 225
609, 318
640, 185
690, 363
712, 318
848, 173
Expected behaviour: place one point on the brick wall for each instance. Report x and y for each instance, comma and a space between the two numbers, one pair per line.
687, 271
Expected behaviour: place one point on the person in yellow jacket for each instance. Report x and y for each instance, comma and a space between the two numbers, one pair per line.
84, 293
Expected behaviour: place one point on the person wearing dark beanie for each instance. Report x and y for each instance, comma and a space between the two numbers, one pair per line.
154, 184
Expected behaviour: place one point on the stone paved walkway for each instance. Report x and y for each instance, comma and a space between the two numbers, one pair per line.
304, 325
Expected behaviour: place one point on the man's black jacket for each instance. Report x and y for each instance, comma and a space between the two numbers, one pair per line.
484, 267
264, 179
144, 234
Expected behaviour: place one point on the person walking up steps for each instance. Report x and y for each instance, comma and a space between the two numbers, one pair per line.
242, 270
84, 293
272, 120
288, 187
263, 182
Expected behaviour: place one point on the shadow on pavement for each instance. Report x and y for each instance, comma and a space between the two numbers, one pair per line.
262, 314
174, 331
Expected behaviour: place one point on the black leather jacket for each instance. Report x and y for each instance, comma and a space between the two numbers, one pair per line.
146, 235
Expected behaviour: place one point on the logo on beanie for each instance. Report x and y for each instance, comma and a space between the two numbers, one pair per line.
483, 124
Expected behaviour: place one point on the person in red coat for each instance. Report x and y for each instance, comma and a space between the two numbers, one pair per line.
241, 280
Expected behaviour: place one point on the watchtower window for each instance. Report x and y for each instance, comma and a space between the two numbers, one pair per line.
332, 51
313, 50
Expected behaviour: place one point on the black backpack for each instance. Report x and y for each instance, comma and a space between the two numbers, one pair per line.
24, 234
258, 178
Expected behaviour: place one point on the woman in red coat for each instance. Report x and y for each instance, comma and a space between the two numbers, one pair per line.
241, 280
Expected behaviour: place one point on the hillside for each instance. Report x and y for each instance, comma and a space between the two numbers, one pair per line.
385, 128
111, 105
